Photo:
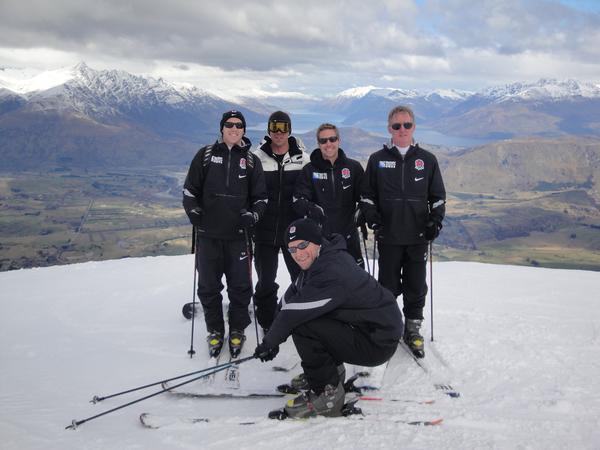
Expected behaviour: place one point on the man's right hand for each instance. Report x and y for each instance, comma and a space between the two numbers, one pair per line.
373, 219
316, 213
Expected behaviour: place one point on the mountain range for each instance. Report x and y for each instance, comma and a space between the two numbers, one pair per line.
86, 118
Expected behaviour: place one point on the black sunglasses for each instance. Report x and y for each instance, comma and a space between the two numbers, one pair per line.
238, 125
330, 139
406, 125
300, 246
279, 127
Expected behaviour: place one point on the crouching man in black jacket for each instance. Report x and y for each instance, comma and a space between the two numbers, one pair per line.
336, 313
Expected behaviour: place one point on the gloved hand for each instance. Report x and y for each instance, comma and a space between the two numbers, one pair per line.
248, 219
432, 229
264, 353
195, 215
373, 218
316, 213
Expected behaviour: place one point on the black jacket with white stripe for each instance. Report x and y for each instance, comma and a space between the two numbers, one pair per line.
334, 286
407, 191
222, 183
280, 177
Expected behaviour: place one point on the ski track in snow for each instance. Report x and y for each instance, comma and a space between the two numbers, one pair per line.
520, 344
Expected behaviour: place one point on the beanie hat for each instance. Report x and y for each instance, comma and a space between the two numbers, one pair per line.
303, 230
229, 115
280, 116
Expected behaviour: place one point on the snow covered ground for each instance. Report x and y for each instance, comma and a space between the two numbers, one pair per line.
522, 345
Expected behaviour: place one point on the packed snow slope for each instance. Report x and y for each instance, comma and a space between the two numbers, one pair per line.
521, 345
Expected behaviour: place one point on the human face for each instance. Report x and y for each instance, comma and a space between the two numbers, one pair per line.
329, 150
304, 257
401, 137
233, 135
279, 142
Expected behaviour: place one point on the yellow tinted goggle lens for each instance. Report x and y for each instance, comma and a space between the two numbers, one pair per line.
279, 127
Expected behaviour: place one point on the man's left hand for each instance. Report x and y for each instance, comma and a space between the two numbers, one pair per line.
432, 230
248, 219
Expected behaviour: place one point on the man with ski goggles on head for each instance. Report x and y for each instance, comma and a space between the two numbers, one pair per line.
328, 189
336, 313
403, 200
282, 157
224, 194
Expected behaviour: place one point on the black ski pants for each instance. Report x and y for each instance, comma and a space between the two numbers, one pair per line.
216, 257
403, 270
266, 261
325, 343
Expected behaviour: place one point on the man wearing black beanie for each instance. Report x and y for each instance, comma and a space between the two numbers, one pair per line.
336, 313
224, 195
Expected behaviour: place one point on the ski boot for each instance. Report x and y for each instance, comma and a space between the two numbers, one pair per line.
328, 403
236, 342
215, 343
413, 338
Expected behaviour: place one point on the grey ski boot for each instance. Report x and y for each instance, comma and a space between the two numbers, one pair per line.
310, 404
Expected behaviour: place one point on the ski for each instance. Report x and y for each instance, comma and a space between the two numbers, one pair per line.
446, 388
232, 375
228, 395
398, 400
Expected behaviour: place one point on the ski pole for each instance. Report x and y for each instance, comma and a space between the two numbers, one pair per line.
364, 232
76, 423
191, 351
97, 399
375, 236
431, 284
250, 256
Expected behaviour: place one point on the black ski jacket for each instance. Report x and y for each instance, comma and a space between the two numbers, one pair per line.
280, 177
223, 182
406, 191
336, 188
335, 287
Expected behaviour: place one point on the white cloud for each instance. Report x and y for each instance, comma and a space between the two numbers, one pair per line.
310, 46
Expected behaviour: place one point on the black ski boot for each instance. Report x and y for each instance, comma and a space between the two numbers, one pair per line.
215, 343
236, 342
310, 404
413, 338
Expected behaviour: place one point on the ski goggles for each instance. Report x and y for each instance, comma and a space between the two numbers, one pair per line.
301, 246
331, 139
279, 127
406, 125
238, 125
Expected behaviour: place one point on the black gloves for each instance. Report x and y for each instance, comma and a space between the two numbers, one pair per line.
432, 229
195, 215
316, 213
264, 353
248, 219
373, 218
359, 218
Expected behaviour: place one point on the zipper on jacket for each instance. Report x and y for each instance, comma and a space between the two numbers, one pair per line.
228, 153
333, 181
280, 170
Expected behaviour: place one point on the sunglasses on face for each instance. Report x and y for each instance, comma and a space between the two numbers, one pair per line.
300, 246
279, 127
330, 139
238, 125
406, 125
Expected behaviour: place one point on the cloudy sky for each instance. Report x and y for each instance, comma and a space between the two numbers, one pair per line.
307, 46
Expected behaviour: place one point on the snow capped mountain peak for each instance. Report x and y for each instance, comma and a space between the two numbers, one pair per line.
356, 92
545, 88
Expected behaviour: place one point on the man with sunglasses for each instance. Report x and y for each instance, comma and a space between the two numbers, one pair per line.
336, 313
283, 157
224, 193
403, 200
328, 189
